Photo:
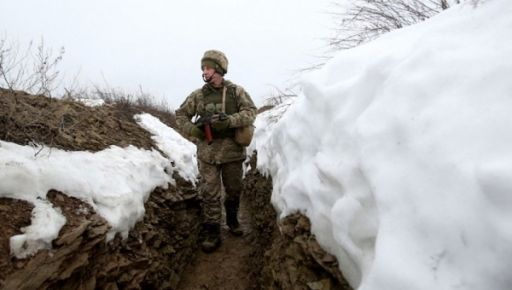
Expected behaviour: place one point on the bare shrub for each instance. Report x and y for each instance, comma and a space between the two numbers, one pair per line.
279, 96
33, 69
364, 20
45, 69
140, 98
360, 21
278, 102
128, 102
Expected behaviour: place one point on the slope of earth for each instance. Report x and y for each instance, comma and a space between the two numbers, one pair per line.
68, 125
285, 254
156, 250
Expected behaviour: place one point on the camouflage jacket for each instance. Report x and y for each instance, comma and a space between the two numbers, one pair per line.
238, 106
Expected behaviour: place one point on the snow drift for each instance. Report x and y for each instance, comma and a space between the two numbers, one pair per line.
399, 151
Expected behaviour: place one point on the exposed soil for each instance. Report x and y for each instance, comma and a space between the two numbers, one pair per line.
14, 214
68, 125
286, 255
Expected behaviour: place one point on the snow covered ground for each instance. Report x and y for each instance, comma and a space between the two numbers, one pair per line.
115, 182
400, 153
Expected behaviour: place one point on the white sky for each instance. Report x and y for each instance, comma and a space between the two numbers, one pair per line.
158, 44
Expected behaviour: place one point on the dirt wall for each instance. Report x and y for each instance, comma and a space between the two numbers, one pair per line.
152, 257
287, 256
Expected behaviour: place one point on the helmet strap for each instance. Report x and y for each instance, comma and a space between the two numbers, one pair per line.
207, 80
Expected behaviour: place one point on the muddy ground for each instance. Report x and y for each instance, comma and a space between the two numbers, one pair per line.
227, 268
161, 252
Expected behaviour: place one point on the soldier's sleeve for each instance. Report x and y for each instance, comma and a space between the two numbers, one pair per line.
185, 113
246, 110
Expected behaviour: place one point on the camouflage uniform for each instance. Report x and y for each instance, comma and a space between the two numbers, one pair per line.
221, 161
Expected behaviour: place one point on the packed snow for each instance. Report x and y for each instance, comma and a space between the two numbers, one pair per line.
181, 152
115, 182
400, 153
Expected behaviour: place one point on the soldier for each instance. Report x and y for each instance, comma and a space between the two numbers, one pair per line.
226, 106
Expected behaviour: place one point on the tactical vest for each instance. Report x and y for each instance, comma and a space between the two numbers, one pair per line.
211, 102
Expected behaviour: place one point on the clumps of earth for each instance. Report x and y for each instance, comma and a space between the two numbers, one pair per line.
161, 251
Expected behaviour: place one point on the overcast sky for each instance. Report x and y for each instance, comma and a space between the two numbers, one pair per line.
158, 44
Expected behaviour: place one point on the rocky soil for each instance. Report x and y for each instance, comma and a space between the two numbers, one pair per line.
161, 252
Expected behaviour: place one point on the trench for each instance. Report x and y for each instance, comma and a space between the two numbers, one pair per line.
162, 250
229, 267
268, 256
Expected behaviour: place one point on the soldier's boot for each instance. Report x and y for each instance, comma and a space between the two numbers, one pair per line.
212, 240
232, 217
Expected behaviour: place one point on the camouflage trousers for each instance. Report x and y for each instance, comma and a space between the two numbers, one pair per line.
213, 178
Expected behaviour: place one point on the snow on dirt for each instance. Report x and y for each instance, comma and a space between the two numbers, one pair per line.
399, 152
181, 151
115, 182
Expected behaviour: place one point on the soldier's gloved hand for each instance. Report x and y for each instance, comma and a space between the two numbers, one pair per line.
196, 132
221, 125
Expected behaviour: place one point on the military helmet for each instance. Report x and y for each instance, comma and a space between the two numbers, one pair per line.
215, 59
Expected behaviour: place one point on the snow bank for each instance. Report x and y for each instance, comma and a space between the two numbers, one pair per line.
400, 153
115, 182
265, 124
181, 152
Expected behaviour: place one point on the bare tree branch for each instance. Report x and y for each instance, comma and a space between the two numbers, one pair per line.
365, 20
360, 21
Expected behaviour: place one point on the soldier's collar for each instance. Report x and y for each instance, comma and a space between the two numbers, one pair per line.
208, 89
